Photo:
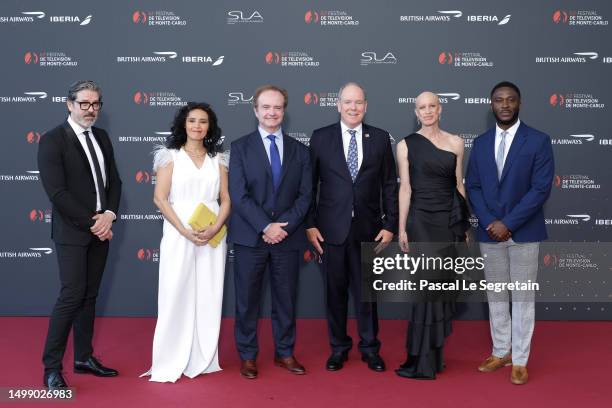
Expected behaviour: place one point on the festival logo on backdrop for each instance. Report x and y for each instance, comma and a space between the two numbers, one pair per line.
291, 59
330, 18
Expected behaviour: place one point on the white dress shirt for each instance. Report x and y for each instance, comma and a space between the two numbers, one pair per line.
267, 142
81, 136
346, 140
509, 138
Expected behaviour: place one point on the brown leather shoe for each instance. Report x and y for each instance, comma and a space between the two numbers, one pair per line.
291, 364
519, 375
493, 363
248, 369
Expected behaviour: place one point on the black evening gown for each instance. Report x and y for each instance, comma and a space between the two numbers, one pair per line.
438, 213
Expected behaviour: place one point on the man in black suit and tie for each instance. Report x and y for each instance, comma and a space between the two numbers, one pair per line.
270, 187
78, 172
353, 172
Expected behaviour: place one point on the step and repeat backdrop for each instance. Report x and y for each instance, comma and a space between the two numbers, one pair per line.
152, 57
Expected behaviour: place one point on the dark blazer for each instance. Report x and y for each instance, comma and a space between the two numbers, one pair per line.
254, 204
338, 196
517, 198
67, 178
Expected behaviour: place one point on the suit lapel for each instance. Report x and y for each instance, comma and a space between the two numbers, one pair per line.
366, 145
490, 152
79, 147
257, 146
288, 150
339, 152
517, 143
105, 153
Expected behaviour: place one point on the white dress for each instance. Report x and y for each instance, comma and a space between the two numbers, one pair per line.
190, 277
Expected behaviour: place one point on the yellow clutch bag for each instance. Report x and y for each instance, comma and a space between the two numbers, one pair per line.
203, 217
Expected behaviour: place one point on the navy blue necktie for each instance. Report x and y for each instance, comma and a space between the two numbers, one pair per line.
275, 162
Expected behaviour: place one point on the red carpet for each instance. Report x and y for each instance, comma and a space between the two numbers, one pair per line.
569, 367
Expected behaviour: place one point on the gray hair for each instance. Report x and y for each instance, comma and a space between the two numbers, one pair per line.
365, 98
82, 85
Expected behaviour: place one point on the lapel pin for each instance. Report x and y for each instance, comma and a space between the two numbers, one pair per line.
367, 135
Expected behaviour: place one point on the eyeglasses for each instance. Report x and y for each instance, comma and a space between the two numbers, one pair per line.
86, 105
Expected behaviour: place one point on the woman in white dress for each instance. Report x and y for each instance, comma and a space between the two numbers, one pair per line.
190, 170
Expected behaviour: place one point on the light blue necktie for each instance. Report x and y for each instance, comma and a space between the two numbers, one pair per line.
275, 162
352, 160
499, 158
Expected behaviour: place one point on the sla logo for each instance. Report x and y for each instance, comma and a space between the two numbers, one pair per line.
141, 98
556, 100
33, 137
237, 98
311, 16
559, 16
238, 16
143, 177
370, 57
273, 58
139, 17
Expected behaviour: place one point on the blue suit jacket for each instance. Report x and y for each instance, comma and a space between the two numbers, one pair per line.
254, 204
517, 198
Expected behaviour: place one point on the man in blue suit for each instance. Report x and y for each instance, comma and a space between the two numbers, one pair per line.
270, 187
509, 179
353, 173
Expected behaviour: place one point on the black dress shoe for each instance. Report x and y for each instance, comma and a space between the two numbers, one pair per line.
336, 360
54, 380
375, 362
93, 366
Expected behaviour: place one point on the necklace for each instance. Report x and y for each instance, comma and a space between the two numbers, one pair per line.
195, 154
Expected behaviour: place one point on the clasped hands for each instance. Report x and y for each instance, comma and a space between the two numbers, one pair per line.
201, 237
102, 226
498, 231
275, 233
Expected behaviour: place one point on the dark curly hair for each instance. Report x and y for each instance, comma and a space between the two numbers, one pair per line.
179, 135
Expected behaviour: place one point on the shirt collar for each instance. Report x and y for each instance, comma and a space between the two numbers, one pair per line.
264, 135
345, 128
511, 130
78, 129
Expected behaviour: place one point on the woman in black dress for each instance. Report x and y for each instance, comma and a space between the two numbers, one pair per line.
432, 208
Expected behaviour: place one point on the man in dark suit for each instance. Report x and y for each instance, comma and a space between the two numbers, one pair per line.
270, 188
353, 172
78, 172
509, 179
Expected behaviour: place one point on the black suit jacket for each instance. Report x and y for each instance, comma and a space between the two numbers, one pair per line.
254, 204
373, 196
67, 178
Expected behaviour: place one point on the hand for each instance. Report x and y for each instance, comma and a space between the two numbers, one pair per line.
403, 241
275, 232
498, 231
103, 223
192, 236
384, 237
107, 236
207, 233
315, 238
